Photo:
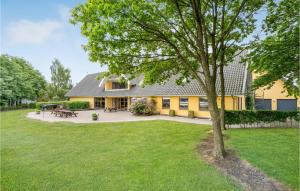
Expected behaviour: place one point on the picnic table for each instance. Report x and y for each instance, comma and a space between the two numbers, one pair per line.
64, 113
55, 111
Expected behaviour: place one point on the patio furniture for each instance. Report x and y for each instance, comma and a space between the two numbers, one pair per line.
65, 113
110, 109
55, 111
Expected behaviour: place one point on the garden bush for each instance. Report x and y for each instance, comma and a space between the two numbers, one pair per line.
142, 108
78, 105
250, 117
72, 105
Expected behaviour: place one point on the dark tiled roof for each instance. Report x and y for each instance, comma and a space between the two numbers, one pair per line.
235, 81
88, 86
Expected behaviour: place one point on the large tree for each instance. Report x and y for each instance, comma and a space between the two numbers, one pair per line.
19, 80
277, 56
161, 38
61, 81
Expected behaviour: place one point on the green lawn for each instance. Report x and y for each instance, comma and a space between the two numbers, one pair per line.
156, 155
275, 151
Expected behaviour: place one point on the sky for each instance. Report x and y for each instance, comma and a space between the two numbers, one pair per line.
39, 31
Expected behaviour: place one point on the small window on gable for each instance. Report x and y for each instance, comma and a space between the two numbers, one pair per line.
119, 85
166, 103
184, 103
203, 104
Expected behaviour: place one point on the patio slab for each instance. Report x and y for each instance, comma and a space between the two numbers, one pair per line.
120, 116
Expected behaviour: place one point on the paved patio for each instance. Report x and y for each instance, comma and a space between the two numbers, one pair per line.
120, 116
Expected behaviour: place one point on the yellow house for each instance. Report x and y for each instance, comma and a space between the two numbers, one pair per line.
110, 92
274, 98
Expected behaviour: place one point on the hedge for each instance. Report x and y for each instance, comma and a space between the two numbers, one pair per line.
260, 117
72, 105
21, 106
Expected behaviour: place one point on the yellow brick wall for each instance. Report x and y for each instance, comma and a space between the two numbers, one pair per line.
174, 104
274, 93
193, 105
89, 99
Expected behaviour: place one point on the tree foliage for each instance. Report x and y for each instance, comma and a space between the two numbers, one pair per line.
277, 56
18, 80
161, 38
61, 81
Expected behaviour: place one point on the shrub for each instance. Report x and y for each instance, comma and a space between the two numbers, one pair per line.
72, 105
32, 105
172, 113
249, 102
191, 114
77, 105
249, 117
142, 108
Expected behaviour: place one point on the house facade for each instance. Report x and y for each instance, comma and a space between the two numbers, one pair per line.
110, 92
274, 98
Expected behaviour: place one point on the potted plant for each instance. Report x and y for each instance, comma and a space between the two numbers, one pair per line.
37, 111
95, 116
172, 113
191, 114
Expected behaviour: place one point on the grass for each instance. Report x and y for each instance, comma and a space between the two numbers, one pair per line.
156, 155
274, 151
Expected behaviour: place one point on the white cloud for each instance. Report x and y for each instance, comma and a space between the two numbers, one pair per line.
30, 32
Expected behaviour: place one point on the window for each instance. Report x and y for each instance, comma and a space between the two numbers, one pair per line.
99, 102
120, 103
118, 85
203, 104
166, 103
183, 103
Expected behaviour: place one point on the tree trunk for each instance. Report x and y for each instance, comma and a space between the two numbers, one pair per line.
219, 150
222, 113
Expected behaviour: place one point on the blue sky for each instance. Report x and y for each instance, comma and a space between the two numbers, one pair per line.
39, 31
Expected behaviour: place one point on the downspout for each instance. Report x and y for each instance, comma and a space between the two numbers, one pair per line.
233, 105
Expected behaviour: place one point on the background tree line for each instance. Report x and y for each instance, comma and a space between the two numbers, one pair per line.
20, 82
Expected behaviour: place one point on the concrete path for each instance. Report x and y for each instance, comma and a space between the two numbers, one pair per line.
120, 116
